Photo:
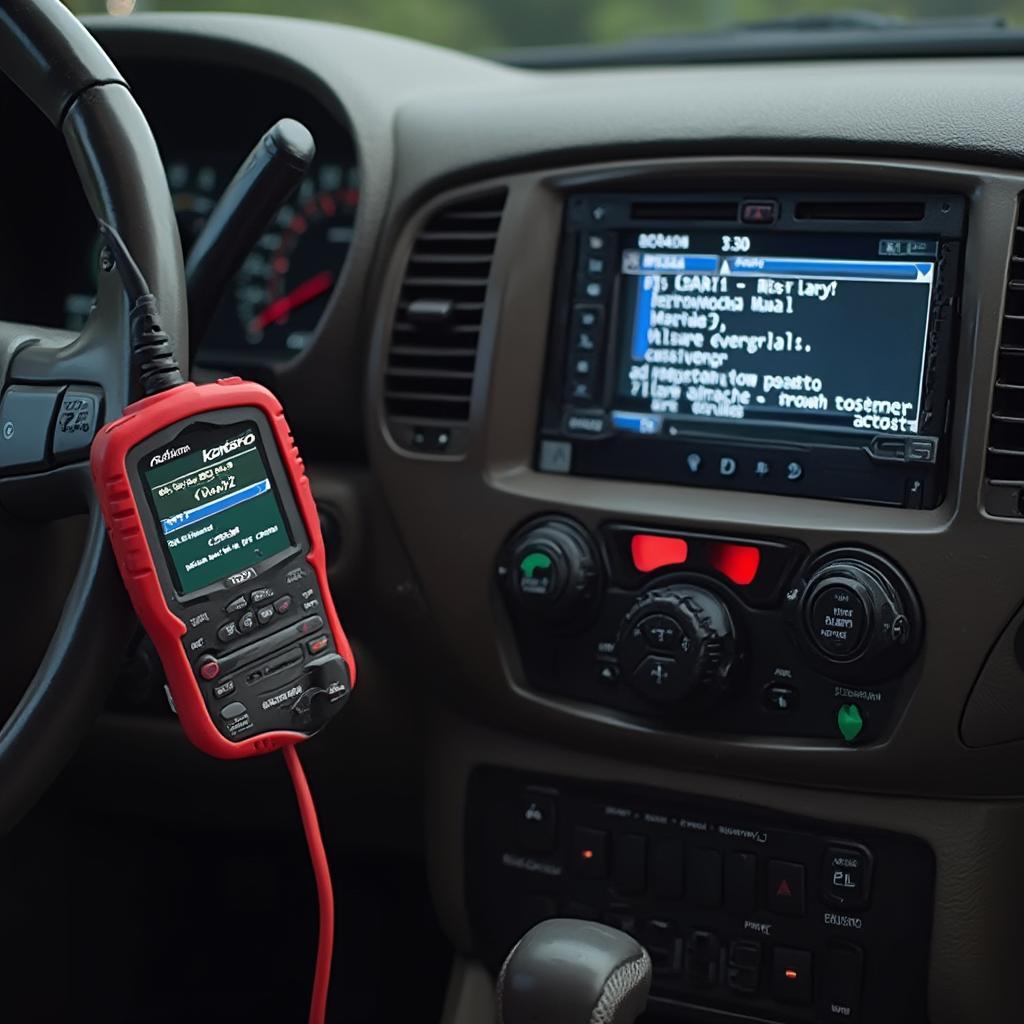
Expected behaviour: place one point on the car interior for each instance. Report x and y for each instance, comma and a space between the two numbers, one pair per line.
651, 623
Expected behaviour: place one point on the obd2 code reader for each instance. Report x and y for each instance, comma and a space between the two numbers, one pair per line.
217, 535
213, 524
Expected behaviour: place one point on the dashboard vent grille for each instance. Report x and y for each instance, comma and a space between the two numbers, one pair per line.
1004, 461
432, 359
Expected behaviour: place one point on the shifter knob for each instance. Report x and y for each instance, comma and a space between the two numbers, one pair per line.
574, 972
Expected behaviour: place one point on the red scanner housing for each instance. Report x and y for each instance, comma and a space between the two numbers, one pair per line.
192, 664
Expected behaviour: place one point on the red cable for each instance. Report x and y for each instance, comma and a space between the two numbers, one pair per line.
325, 893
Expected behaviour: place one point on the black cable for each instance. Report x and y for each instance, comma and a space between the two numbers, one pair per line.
152, 349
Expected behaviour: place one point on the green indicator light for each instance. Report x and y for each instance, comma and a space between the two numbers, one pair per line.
532, 562
849, 721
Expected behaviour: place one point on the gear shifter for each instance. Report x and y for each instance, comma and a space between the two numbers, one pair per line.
565, 971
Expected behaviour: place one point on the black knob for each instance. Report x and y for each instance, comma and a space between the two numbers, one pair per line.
678, 643
857, 613
551, 570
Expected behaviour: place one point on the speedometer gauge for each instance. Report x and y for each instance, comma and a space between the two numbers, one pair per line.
284, 283
278, 296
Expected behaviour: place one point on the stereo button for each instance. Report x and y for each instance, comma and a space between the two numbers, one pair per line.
791, 975
590, 852
702, 957
786, 888
660, 632
741, 882
629, 864
743, 971
839, 620
705, 885
537, 822
845, 876
667, 868
660, 678
844, 968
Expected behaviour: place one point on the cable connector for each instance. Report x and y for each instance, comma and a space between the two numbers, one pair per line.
151, 346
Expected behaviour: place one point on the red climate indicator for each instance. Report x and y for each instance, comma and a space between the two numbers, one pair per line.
737, 562
651, 552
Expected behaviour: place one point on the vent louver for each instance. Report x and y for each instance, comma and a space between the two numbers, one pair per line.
431, 362
1004, 460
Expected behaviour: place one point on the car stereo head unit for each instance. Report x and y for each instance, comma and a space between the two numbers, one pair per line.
786, 343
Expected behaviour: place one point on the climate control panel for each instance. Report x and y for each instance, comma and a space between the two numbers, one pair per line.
709, 633
748, 915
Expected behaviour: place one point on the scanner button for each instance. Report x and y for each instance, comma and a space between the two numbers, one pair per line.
317, 645
227, 632
310, 625
209, 667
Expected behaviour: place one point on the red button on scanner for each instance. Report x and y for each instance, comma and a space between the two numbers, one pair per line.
209, 667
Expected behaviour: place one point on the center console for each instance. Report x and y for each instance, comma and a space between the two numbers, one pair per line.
747, 915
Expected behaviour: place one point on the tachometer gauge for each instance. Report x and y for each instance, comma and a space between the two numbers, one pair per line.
285, 281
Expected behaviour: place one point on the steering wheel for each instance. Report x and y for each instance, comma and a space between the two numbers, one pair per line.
50, 56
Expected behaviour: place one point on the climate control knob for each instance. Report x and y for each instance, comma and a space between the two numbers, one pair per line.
551, 570
678, 643
857, 615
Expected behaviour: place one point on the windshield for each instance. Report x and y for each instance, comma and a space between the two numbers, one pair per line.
496, 25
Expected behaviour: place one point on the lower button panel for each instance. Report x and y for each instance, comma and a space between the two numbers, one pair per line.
766, 939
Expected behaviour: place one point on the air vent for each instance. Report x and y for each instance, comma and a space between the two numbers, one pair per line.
429, 378
1004, 461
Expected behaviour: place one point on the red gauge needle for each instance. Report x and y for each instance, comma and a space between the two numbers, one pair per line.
298, 296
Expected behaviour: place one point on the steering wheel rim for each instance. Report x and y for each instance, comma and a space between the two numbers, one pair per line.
52, 59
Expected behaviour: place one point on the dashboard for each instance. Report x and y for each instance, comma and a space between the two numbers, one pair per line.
206, 124
680, 446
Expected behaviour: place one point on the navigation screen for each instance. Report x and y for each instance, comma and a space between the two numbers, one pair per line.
214, 502
808, 331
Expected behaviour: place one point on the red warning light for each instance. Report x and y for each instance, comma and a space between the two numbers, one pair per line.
783, 889
651, 552
736, 562
791, 975
587, 854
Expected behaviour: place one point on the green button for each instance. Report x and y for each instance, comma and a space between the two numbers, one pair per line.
849, 721
534, 561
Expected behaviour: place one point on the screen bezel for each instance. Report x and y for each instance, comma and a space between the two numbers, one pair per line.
223, 419
575, 439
